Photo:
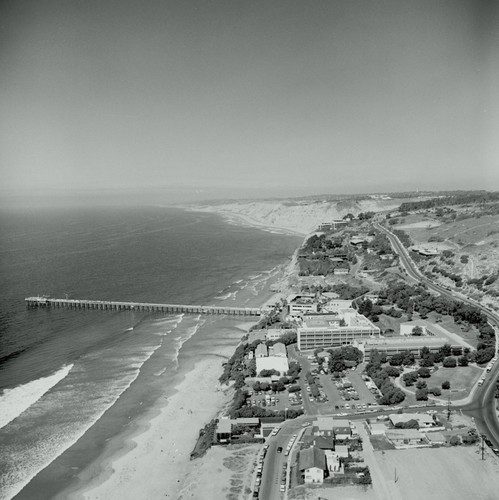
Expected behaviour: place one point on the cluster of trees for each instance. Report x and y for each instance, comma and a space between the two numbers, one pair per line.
348, 292
380, 244
390, 394
316, 252
278, 386
408, 298
337, 358
366, 215
457, 278
403, 237
369, 310
483, 281
456, 199
422, 389
447, 356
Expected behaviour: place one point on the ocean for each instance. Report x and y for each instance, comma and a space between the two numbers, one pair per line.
69, 379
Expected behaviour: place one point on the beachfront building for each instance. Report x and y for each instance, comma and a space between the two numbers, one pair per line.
299, 304
334, 225
312, 464
342, 327
273, 358
225, 427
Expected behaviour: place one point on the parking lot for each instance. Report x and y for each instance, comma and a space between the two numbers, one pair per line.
349, 393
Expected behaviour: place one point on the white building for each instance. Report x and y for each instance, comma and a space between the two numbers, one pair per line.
334, 330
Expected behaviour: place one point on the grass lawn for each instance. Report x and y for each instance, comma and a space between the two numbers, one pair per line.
385, 322
448, 323
381, 443
461, 380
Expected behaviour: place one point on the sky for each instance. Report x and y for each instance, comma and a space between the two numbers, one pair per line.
235, 98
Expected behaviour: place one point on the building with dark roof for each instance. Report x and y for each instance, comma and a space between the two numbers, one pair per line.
312, 464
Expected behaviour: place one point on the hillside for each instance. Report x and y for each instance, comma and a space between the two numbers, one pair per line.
298, 216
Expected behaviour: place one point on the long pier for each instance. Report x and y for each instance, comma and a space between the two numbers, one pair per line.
109, 305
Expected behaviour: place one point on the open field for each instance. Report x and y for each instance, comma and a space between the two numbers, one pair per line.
438, 474
461, 380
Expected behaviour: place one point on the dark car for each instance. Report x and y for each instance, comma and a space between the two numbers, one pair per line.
279, 450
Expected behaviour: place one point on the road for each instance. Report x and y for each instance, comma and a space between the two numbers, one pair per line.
274, 462
482, 406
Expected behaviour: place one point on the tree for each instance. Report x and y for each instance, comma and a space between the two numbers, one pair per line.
450, 362
422, 394
417, 330
410, 378
294, 388
410, 424
436, 391
446, 384
392, 371
463, 361
421, 384
424, 372
454, 441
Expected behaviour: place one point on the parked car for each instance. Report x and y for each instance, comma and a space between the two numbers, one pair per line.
279, 450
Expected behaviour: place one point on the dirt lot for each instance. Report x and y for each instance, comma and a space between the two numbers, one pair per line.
439, 474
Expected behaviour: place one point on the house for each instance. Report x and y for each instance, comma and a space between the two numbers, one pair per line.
256, 335
436, 438
279, 349
406, 437
312, 464
323, 442
341, 429
323, 426
423, 419
225, 427
224, 430
377, 429
261, 351
341, 270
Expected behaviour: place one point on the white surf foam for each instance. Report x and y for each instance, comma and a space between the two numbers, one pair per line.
15, 401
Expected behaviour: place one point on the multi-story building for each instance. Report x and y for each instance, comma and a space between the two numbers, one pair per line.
334, 329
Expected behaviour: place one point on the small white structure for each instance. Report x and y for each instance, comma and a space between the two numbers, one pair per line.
377, 429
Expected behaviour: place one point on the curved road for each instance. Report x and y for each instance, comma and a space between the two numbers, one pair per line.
482, 406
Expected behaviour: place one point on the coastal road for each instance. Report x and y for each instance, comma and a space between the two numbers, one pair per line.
483, 404
274, 462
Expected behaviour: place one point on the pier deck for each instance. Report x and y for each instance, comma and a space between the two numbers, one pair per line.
109, 305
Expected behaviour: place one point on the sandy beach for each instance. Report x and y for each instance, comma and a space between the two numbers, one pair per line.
156, 462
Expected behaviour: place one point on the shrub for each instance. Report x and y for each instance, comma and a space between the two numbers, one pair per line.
446, 384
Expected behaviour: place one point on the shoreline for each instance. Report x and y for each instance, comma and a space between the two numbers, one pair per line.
245, 220
151, 459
